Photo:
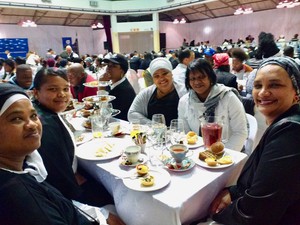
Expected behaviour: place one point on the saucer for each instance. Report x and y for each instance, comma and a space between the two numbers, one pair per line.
186, 164
123, 160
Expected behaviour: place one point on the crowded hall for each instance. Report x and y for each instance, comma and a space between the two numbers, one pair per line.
137, 112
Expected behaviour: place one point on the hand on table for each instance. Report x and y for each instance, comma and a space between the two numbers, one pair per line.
114, 220
222, 200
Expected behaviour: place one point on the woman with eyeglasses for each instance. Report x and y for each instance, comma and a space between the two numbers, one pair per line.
207, 98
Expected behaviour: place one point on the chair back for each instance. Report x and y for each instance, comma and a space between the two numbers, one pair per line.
250, 143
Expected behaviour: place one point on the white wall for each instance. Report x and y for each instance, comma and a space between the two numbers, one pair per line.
277, 22
43, 37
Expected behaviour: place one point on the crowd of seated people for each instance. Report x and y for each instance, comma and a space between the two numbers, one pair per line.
188, 83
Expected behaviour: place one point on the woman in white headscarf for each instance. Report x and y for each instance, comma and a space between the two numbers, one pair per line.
162, 97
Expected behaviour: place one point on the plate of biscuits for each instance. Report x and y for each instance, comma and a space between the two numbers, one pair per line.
215, 157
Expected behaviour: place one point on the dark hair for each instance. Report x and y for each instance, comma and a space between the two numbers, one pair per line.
186, 53
22, 67
202, 66
288, 51
42, 76
239, 53
224, 68
266, 46
20, 60
10, 63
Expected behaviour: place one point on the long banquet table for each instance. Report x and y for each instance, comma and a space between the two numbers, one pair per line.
185, 199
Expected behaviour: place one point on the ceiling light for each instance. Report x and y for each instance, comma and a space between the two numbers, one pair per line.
27, 23
243, 10
97, 25
288, 4
182, 21
176, 21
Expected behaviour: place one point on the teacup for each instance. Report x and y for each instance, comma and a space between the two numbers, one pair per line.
179, 152
133, 152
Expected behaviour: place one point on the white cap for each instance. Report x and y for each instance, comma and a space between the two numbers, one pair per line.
160, 63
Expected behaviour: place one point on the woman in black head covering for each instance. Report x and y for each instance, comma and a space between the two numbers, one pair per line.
25, 198
267, 191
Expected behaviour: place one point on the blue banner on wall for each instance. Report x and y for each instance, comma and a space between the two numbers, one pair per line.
16, 46
66, 41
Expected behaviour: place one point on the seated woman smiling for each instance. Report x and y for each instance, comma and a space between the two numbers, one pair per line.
52, 95
25, 198
162, 97
207, 98
267, 190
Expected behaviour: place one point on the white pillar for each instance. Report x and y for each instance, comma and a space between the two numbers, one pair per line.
114, 34
156, 39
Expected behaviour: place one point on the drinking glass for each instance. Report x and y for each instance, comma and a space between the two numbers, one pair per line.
177, 131
97, 122
211, 129
158, 118
159, 138
105, 110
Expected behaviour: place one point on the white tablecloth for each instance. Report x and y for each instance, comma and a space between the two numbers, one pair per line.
185, 199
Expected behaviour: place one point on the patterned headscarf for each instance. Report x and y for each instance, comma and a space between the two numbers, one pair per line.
290, 67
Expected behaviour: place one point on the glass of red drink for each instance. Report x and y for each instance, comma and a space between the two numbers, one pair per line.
211, 130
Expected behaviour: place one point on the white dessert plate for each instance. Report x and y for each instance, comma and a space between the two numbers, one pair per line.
198, 144
102, 148
94, 84
142, 160
99, 98
186, 165
161, 179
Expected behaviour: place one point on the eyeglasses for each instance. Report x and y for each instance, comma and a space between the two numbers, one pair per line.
198, 78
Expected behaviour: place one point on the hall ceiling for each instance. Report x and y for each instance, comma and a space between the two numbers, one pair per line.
192, 13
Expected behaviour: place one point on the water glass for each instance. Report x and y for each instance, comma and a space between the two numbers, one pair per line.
177, 131
97, 122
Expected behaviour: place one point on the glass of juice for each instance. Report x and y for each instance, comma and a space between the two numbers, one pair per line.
211, 129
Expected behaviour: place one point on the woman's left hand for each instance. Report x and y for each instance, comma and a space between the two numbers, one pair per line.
114, 220
222, 200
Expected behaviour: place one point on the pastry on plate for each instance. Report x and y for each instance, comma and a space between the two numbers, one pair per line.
142, 169
211, 161
147, 181
192, 138
225, 160
217, 148
206, 154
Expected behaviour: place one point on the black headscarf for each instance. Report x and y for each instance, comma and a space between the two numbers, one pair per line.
289, 65
7, 90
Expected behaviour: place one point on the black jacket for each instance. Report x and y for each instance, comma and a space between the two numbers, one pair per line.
268, 189
124, 94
